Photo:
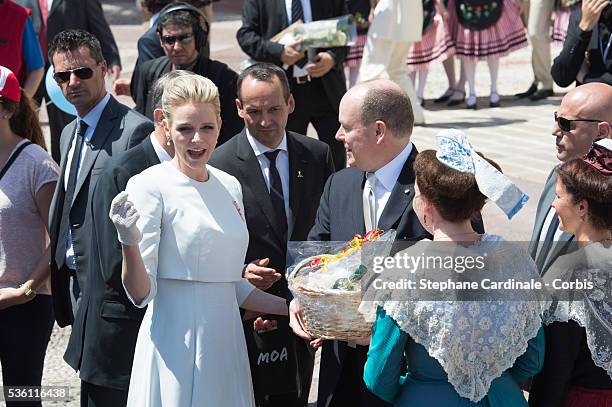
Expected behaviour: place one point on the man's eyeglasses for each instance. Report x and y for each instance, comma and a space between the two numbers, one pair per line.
171, 39
64, 76
566, 124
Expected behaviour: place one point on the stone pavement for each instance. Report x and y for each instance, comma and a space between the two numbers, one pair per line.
516, 135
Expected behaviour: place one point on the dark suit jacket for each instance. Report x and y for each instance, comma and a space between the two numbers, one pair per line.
536, 247
567, 65
149, 48
84, 15
262, 19
148, 45
310, 164
339, 217
119, 128
219, 73
106, 325
309, 158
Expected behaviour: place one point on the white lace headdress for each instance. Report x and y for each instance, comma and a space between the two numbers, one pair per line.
455, 151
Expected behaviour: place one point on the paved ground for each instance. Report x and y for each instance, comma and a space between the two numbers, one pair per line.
516, 135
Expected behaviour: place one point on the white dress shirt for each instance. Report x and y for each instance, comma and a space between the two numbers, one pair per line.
282, 166
92, 118
546, 225
162, 154
386, 177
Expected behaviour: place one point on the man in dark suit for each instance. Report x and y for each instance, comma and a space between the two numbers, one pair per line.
319, 86
585, 54
181, 32
587, 110
582, 119
150, 47
104, 332
148, 44
262, 155
103, 127
79, 15
376, 124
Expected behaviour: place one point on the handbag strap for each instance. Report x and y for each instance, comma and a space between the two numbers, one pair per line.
13, 158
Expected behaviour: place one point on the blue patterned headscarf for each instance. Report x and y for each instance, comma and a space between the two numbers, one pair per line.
455, 151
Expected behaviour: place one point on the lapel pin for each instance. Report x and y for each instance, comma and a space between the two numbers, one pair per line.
299, 174
407, 191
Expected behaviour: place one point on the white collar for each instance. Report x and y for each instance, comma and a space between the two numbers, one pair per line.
388, 174
259, 148
161, 153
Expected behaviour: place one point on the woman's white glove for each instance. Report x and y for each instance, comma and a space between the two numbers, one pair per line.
124, 216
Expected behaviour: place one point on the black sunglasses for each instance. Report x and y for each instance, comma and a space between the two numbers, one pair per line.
171, 39
81, 73
566, 124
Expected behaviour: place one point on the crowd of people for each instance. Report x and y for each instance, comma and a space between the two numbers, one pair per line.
160, 233
399, 33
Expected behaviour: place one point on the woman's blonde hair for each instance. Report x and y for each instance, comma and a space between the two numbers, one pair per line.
186, 89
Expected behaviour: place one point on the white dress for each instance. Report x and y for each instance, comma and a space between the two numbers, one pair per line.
191, 349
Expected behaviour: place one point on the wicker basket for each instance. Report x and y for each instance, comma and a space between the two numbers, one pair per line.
328, 313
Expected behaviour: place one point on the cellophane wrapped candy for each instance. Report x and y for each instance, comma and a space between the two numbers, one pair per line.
335, 32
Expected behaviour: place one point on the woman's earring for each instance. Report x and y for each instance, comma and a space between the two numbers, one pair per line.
168, 141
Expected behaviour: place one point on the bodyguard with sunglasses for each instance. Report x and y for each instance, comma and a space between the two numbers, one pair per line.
584, 116
181, 29
103, 127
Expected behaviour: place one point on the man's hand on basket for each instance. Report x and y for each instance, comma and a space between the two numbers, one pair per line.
296, 324
316, 343
261, 325
259, 275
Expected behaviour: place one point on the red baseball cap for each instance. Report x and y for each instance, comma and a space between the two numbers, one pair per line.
9, 85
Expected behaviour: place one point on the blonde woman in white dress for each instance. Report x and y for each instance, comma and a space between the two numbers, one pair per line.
184, 239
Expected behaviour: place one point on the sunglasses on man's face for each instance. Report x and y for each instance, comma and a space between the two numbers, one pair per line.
172, 39
566, 124
64, 76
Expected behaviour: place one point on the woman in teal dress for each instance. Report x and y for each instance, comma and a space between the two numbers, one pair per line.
458, 353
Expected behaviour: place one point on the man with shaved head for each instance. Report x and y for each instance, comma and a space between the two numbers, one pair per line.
584, 116
375, 127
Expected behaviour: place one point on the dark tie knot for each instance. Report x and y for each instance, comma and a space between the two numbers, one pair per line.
271, 155
81, 128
